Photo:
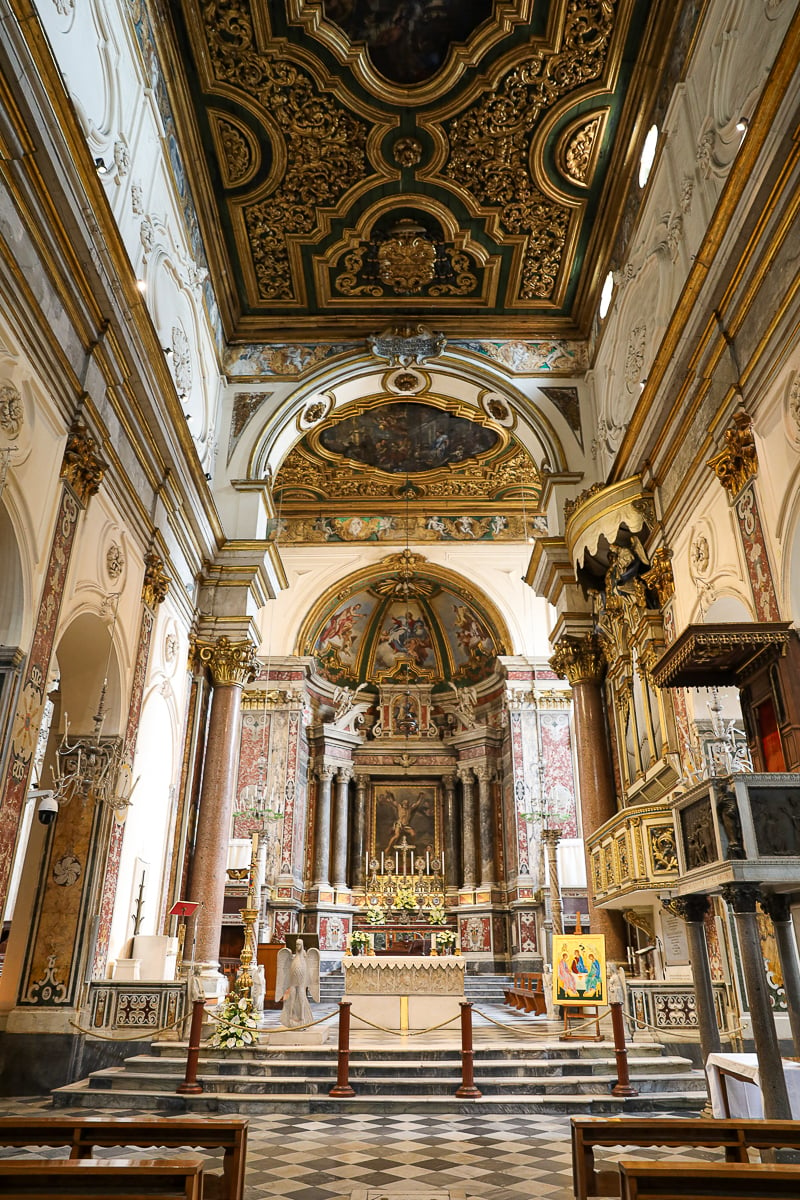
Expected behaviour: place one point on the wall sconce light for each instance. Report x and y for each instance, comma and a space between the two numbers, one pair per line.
100, 166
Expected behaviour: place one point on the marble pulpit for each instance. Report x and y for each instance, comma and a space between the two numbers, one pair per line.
404, 992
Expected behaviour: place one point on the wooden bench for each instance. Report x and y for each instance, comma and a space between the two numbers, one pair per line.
133, 1179
526, 993
82, 1134
733, 1135
708, 1181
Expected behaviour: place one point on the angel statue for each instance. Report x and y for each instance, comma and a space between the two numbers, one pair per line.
296, 973
349, 712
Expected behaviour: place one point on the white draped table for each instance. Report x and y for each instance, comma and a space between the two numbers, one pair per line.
404, 991
735, 1085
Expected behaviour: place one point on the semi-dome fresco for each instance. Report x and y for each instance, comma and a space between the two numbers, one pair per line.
410, 615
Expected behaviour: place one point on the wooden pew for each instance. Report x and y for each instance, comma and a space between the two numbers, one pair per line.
526, 993
82, 1178
714, 1181
733, 1135
82, 1134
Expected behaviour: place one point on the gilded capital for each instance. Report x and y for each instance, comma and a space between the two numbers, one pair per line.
156, 581
737, 463
579, 660
660, 578
82, 467
229, 662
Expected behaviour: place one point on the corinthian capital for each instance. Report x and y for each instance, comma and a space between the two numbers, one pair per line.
82, 467
229, 662
579, 659
737, 463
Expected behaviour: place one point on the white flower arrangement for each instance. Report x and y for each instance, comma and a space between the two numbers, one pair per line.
445, 938
375, 915
360, 938
236, 1024
437, 915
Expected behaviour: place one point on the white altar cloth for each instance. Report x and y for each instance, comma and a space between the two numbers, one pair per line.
404, 991
742, 1085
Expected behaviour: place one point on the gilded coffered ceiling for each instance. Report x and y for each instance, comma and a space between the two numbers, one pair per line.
358, 161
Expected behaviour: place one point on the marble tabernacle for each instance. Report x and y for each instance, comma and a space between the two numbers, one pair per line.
404, 992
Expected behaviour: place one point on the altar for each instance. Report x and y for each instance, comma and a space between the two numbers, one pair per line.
404, 991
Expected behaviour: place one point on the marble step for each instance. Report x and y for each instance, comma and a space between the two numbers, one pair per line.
401, 1055
115, 1078
324, 1068
301, 1103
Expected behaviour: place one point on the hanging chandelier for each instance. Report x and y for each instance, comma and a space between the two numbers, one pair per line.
93, 767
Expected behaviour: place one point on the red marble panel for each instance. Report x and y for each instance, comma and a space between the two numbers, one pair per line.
475, 934
527, 932
757, 556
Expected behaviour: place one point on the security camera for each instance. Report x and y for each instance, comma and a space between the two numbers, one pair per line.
47, 810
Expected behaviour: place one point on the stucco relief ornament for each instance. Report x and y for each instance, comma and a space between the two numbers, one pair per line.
82, 467
403, 345
66, 870
315, 411
700, 555
12, 410
792, 407
634, 357
181, 361
122, 160
115, 561
156, 581
407, 151
737, 463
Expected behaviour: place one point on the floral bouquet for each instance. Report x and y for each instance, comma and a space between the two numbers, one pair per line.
445, 939
236, 1025
437, 914
375, 915
359, 940
406, 900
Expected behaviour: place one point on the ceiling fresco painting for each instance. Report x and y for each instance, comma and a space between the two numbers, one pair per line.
407, 41
362, 161
404, 612
406, 438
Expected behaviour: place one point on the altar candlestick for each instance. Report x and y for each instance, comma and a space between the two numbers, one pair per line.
381, 862
427, 862
397, 862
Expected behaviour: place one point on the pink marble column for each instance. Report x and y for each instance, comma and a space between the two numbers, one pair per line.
232, 666
581, 661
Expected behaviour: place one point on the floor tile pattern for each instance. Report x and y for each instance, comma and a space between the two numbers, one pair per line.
415, 1157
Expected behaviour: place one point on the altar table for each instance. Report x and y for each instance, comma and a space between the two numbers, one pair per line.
406, 991
734, 1085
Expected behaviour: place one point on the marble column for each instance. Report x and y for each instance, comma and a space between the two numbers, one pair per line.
580, 660
692, 910
340, 827
468, 860
550, 840
358, 845
777, 908
484, 776
742, 898
452, 846
322, 836
231, 665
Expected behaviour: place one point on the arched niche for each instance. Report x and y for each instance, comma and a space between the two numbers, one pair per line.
86, 658
12, 590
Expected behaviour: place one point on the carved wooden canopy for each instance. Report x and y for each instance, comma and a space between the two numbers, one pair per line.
720, 655
354, 161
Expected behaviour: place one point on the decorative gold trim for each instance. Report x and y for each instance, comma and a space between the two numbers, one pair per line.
737, 463
579, 660
156, 581
230, 663
82, 467
660, 578
579, 147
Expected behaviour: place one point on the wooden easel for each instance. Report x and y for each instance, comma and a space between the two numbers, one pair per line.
580, 1015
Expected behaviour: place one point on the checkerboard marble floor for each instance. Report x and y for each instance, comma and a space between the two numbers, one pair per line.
419, 1157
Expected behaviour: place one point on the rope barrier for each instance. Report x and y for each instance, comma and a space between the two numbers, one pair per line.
541, 1033
140, 1037
408, 1032
677, 1034
274, 1028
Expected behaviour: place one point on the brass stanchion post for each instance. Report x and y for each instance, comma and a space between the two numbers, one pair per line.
467, 1091
342, 1087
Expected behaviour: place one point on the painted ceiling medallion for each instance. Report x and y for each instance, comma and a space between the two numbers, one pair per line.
402, 438
513, 117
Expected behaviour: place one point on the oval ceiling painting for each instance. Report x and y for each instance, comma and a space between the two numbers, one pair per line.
406, 438
408, 41
443, 632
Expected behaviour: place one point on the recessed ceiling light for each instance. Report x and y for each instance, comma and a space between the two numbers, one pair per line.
606, 294
741, 125
648, 155
100, 166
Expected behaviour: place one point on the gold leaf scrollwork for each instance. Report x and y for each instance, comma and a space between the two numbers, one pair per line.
737, 463
578, 152
660, 578
324, 145
406, 261
490, 143
82, 467
156, 581
229, 662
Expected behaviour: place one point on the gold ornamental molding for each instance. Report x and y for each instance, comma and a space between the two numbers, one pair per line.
230, 663
579, 660
82, 468
156, 581
737, 463
660, 577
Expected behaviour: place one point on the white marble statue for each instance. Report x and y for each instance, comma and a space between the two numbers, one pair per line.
547, 988
296, 973
349, 712
258, 990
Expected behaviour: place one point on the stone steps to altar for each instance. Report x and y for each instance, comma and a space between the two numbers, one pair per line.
548, 1077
